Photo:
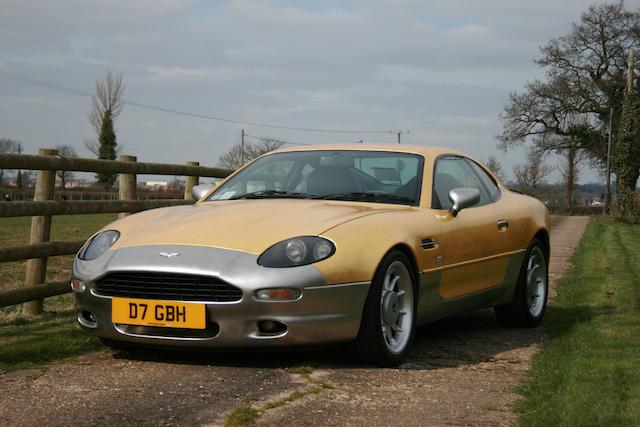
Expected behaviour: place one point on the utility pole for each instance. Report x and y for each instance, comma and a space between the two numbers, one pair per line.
607, 197
400, 132
242, 147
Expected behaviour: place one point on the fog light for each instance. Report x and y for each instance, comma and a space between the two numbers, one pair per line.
87, 319
271, 327
78, 285
278, 294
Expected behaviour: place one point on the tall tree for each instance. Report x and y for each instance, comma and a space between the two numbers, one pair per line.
65, 151
109, 97
626, 155
570, 173
107, 143
584, 79
19, 178
232, 158
106, 106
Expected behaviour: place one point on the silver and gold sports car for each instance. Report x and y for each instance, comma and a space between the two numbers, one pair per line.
348, 243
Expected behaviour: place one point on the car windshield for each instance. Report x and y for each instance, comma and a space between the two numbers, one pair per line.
364, 176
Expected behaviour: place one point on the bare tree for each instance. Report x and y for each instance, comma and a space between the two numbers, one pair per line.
65, 151
232, 159
27, 179
494, 166
108, 98
7, 145
584, 78
531, 176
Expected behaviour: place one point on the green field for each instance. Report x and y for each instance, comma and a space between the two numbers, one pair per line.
588, 371
26, 342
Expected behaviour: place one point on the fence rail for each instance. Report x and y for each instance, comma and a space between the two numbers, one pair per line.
79, 164
33, 293
39, 250
43, 206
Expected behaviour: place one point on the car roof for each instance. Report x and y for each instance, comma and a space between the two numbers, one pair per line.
427, 151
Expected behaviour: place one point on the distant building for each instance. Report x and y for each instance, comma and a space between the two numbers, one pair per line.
78, 183
157, 184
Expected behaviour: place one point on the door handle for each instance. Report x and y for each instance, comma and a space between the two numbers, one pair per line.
429, 243
502, 224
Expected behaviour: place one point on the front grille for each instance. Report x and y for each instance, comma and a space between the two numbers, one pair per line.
169, 286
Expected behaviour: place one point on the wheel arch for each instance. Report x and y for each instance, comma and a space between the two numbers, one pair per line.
408, 252
543, 236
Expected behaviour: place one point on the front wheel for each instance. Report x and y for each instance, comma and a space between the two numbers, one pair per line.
388, 319
530, 299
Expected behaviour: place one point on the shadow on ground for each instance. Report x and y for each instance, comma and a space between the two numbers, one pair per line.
462, 340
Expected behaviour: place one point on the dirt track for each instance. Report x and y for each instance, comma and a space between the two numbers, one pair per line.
461, 372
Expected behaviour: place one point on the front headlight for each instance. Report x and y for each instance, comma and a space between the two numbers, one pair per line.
297, 251
98, 245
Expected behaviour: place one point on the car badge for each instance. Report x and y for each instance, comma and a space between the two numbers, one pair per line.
169, 254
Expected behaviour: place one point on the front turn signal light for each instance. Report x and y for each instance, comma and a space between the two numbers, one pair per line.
278, 294
78, 286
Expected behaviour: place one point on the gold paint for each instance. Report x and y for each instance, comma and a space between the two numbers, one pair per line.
471, 278
473, 250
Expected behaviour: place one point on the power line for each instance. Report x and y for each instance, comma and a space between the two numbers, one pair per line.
285, 141
37, 82
413, 139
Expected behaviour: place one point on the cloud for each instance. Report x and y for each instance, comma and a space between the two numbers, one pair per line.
441, 68
175, 73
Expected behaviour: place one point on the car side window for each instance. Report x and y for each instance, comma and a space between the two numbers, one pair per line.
486, 179
454, 172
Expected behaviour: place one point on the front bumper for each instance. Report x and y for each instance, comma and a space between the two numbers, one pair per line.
324, 313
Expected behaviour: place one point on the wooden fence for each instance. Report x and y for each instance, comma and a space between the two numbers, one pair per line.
44, 205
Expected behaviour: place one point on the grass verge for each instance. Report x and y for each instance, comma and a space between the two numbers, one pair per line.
30, 341
587, 372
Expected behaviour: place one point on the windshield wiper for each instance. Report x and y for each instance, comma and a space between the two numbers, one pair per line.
368, 196
266, 194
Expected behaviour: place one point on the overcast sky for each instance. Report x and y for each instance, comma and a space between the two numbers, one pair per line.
441, 69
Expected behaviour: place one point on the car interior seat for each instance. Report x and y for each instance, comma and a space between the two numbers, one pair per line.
333, 179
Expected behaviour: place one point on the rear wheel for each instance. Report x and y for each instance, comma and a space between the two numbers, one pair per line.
388, 319
530, 300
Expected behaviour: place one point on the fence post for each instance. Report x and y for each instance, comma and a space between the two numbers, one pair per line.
40, 232
127, 185
190, 182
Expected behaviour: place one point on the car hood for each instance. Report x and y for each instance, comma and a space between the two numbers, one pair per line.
244, 225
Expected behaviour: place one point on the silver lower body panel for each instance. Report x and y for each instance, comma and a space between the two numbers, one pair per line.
324, 313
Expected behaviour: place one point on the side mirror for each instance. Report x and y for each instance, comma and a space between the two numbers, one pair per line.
198, 191
463, 198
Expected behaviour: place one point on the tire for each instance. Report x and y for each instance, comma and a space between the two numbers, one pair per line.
530, 300
388, 319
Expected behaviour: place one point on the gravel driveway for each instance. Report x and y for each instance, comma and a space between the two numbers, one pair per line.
461, 371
